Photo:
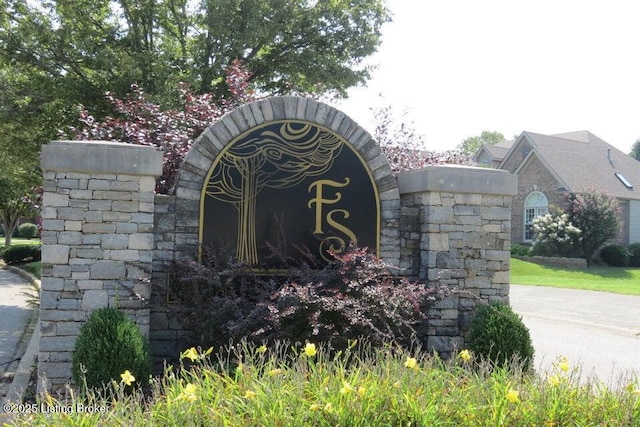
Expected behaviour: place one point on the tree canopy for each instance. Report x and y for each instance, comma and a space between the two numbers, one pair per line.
58, 54
88, 47
470, 145
635, 150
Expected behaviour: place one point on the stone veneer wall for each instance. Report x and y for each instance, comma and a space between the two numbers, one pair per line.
455, 230
97, 237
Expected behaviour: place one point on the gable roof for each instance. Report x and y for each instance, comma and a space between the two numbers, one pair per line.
496, 151
581, 159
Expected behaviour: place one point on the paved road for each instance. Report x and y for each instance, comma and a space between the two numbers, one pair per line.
15, 315
600, 331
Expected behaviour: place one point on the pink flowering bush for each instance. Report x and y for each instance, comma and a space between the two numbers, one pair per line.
598, 215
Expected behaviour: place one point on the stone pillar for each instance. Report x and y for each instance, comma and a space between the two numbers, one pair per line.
97, 241
456, 231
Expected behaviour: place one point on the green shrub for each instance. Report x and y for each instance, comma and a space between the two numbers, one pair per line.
17, 254
634, 255
109, 344
519, 250
498, 334
28, 230
615, 255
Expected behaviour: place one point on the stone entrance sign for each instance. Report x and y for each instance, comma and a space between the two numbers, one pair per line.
289, 183
285, 168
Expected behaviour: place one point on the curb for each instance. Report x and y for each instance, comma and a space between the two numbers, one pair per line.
22, 375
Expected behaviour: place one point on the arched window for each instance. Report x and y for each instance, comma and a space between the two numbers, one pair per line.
534, 205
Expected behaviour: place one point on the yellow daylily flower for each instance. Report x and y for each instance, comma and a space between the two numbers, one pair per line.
314, 407
189, 393
346, 388
513, 396
310, 349
250, 394
465, 355
191, 354
563, 364
411, 363
554, 380
127, 377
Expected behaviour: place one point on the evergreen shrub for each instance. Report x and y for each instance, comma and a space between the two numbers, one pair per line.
18, 254
634, 255
498, 334
615, 255
28, 230
109, 344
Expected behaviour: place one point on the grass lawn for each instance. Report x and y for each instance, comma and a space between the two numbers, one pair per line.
596, 278
20, 241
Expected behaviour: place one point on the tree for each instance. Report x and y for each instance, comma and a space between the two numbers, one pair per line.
597, 214
404, 147
17, 199
470, 145
635, 150
56, 54
88, 47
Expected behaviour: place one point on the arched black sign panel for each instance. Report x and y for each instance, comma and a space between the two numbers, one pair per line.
288, 183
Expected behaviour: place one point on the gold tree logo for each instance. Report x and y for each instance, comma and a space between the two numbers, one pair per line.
276, 158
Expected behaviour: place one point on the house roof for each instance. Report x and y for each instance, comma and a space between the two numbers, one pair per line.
581, 159
496, 151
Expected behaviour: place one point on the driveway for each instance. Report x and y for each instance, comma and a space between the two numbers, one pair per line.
599, 331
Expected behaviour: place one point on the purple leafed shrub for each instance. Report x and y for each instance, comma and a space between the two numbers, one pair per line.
354, 296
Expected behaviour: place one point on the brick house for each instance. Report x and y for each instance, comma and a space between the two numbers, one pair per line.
549, 166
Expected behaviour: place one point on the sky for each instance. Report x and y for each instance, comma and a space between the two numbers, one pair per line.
459, 67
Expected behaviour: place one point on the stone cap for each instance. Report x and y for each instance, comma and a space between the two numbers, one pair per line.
101, 157
458, 179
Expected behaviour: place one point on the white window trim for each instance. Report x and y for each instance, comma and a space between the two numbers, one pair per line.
539, 210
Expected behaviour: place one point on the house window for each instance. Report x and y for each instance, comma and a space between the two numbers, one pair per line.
534, 205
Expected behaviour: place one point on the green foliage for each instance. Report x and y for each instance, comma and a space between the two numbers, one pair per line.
17, 199
616, 255
499, 334
109, 344
519, 250
635, 150
28, 230
18, 254
280, 385
634, 254
62, 53
472, 144
597, 215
